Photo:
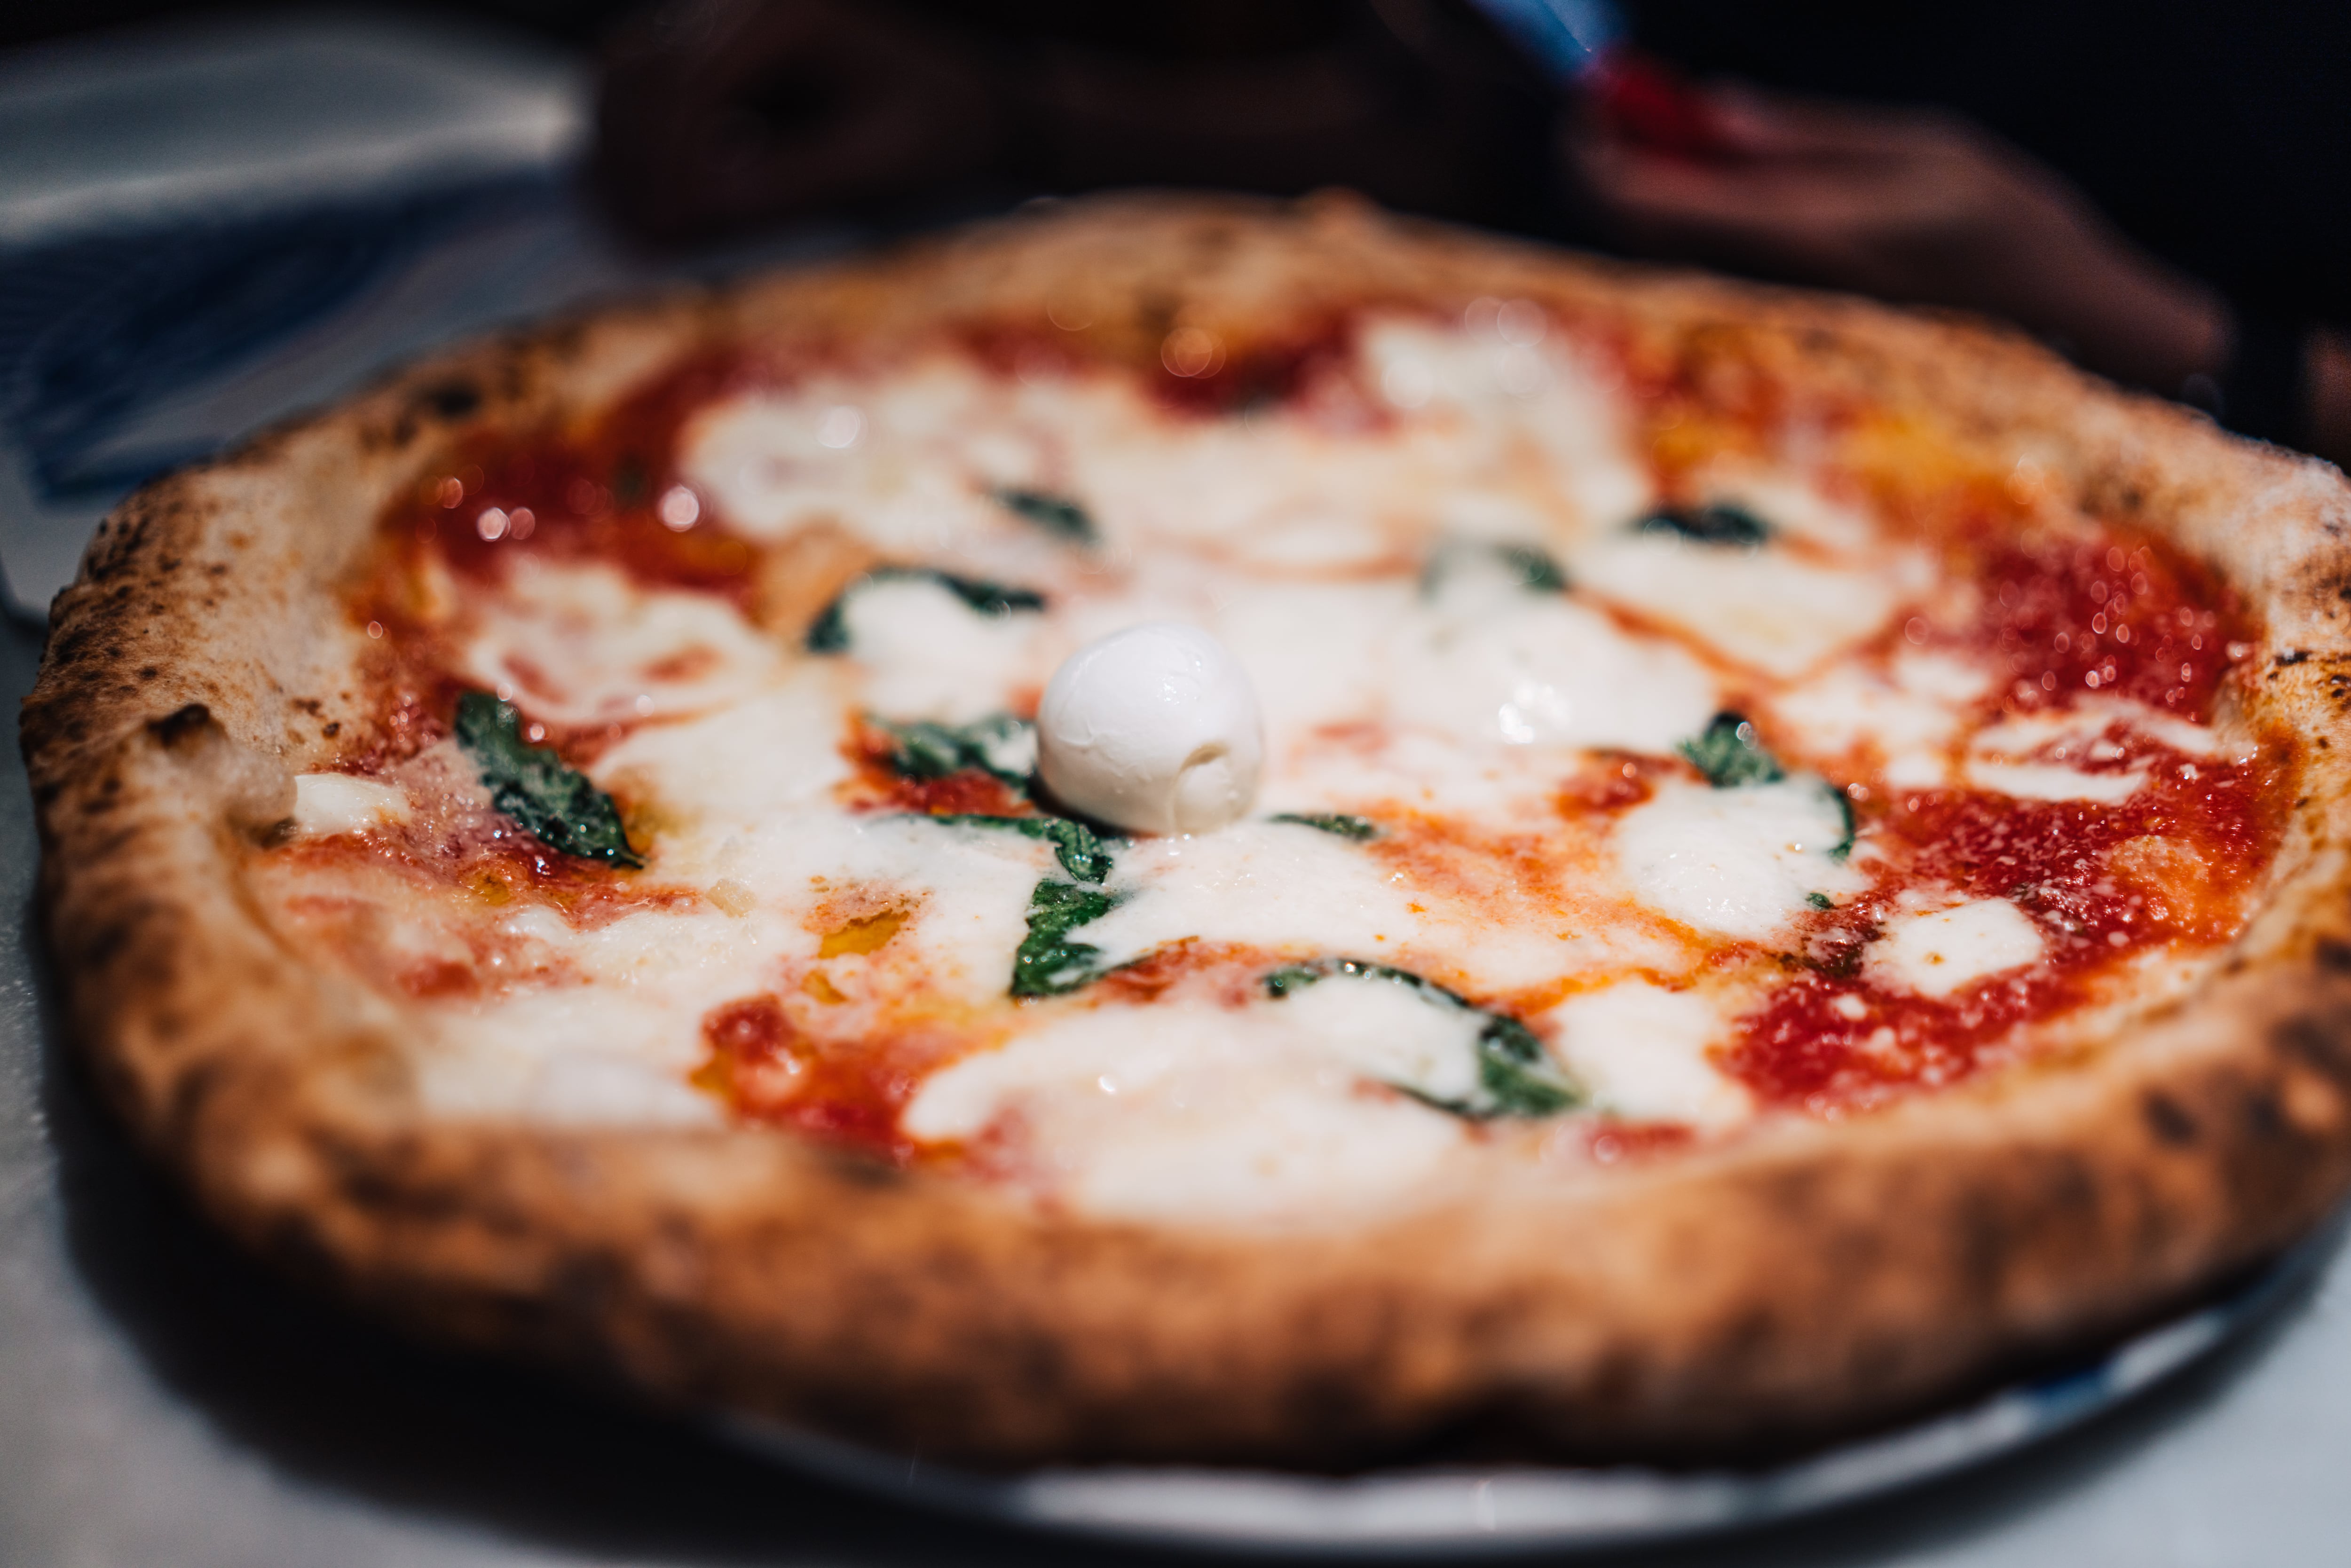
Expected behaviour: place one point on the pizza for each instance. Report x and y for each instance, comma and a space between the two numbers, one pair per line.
1174, 829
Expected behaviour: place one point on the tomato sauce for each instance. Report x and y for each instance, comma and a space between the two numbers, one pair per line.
766, 1071
2071, 619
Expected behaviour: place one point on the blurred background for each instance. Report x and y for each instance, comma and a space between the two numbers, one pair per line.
213, 215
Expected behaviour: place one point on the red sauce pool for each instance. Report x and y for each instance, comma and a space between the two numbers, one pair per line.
2071, 620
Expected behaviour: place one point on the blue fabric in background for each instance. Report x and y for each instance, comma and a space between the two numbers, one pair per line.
94, 331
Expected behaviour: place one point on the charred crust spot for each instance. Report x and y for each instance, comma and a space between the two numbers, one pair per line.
2169, 1120
2264, 1118
2318, 1042
2293, 656
148, 672
451, 400
331, 730
174, 729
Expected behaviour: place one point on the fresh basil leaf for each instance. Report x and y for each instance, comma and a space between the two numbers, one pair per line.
1844, 846
1359, 829
1000, 745
1516, 1076
1083, 853
1820, 901
1530, 568
554, 803
1730, 756
1047, 963
1057, 514
828, 633
1535, 568
1717, 523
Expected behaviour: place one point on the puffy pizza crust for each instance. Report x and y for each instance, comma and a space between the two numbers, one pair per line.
1805, 1279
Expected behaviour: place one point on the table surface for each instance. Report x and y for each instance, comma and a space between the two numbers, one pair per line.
165, 1403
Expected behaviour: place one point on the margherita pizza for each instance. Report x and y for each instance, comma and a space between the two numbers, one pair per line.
1190, 830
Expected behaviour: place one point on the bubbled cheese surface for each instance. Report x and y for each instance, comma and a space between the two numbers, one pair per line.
1391, 675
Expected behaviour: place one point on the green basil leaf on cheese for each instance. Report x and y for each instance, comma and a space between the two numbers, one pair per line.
828, 633
554, 803
999, 745
1057, 514
1514, 1075
1083, 853
1839, 851
1048, 963
1717, 523
1357, 830
1530, 568
1730, 755
1535, 568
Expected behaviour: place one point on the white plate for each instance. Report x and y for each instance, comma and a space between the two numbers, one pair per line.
1454, 1507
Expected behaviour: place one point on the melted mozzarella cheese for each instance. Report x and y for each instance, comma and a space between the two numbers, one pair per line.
2034, 757
1908, 713
1524, 668
790, 734
583, 644
1938, 952
1265, 884
328, 803
572, 1055
1641, 1051
928, 654
1739, 861
1189, 1110
904, 461
1764, 607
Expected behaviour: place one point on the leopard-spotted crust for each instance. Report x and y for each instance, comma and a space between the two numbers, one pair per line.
1805, 1279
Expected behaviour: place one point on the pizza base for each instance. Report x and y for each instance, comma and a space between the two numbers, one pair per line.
1805, 1280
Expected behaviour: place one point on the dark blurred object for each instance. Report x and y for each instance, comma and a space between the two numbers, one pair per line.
720, 114
2209, 142
34, 21
1911, 204
2216, 136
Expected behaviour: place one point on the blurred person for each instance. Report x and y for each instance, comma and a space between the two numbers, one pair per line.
2160, 193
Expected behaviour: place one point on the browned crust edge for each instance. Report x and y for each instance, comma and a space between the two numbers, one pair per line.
1804, 1281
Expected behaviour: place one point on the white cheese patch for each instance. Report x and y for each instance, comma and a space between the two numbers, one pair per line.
776, 751
929, 655
1390, 1033
1526, 668
1315, 653
575, 1055
1790, 504
2039, 757
2048, 781
326, 804
582, 645
1939, 952
1909, 712
1190, 1111
1267, 884
1740, 861
904, 461
1641, 1051
1763, 607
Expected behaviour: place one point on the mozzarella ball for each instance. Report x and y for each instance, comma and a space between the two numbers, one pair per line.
1154, 729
